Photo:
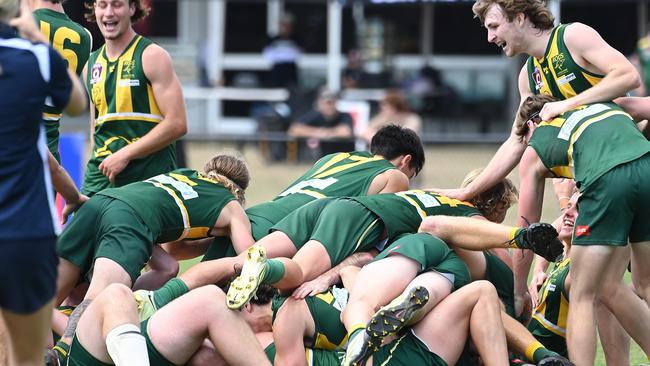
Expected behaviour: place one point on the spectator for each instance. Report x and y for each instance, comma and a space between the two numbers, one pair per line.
325, 129
393, 110
353, 72
283, 52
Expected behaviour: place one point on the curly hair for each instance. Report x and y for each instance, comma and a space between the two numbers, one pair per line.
504, 193
531, 105
264, 294
535, 10
142, 10
230, 171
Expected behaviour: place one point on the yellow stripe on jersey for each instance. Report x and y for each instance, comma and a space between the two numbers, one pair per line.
98, 89
593, 80
326, 296
578, 132
390, 355
360, 160
183, 179
123, 101
365, 232
144, 117
198, 232
413, 203
181, 206
333, 160
153, 105
562, 171
549, 325
309, 354
555, 122
314, 194
104, 151
565, 89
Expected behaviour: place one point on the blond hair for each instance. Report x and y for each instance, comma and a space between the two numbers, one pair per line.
9, 9
230, 171
535, 10
504, 193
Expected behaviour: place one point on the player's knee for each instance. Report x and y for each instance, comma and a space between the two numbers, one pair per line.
206, 297
486, 289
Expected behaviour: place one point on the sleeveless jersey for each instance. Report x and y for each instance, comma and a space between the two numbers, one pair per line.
643, 52
335, 175
73, 42
403, 212
556, 73
586, 142
182, 204
553, 308
125, 110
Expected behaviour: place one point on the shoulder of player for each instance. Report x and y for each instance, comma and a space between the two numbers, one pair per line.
155, 60
579, 35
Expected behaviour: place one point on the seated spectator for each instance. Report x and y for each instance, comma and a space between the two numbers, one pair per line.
393, 110
325, 129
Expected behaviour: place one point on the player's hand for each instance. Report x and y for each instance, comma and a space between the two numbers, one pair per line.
26, 25
554, 109
114, 164
564, 188
311, 288
523, 305
71, 207
535, 285
457, 193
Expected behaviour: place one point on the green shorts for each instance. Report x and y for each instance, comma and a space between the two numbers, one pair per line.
315, 357
407, 350
330, 333
432, 253
616, 206
105, 227
343, 226
549, 339
79, 356
501, 276
155, 358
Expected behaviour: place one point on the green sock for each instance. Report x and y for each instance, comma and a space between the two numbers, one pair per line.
542, 353
514, 236
274, 271
172, 289
62, 349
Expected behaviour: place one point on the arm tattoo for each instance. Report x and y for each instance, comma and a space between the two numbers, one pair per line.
74, 318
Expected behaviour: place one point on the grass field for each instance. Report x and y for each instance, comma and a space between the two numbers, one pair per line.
445, 167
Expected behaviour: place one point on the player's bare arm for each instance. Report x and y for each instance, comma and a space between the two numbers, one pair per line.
591, 52
168, 94
234, 220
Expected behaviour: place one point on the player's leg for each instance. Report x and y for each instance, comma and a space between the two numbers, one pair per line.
109, 329
293, 323
640, 269
473, 310
522, 342
27, 334
614, 339
237, 345
162, 267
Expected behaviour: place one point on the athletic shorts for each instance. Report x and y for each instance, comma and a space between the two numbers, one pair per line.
155, 358
105, 227
407, 350
29, 267
501, 276
315, 357
79, 356
616, 206
549, 339
330, 333
343, 226
222, 247
432, 253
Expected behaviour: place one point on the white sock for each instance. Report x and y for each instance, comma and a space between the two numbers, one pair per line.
127, 346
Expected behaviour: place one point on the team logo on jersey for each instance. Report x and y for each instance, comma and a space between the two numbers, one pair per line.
558, 62
96, 73
128, 69
582, 230
538, 79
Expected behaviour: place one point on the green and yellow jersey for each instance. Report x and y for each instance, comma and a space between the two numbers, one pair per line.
403, 212
182, 204
125, 110
556, 73
549, 320
586, 142
73, 42
334, 175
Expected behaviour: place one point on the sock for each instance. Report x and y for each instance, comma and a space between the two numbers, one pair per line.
274, 271
62, 349
172, 289
536, 352
354, 330
126, 346
515, 238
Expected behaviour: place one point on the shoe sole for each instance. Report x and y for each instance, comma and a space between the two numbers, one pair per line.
243, 288
370, 346
540, 235
391, 318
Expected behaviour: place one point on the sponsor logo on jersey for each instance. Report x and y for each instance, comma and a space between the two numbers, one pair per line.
582, 230
96, 73
129, 82
537, 79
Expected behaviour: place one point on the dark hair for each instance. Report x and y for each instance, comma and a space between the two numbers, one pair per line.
392, 141
264, 294
533, 104
535, 10
141, 10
